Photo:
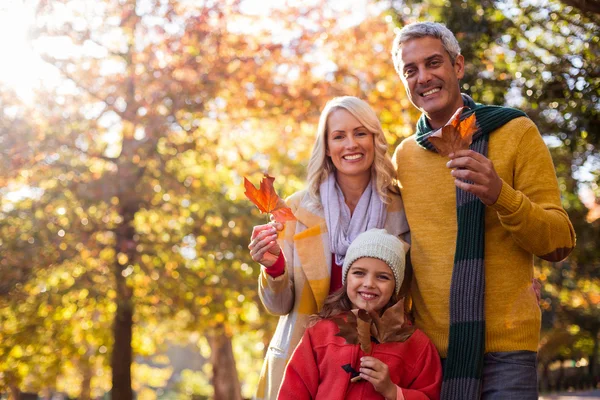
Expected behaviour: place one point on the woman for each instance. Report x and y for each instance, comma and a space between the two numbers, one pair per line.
351, 189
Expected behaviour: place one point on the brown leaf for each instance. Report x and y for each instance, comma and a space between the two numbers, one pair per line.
390, 326
267, 200
347, 328
456, 135
363, 328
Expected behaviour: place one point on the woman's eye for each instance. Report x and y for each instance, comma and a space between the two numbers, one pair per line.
361, 134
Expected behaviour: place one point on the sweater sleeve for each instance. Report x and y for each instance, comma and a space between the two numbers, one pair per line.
301, 378
427, 383
277, 292
278, 268
531, 210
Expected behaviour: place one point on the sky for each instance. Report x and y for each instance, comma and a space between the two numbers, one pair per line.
20, 66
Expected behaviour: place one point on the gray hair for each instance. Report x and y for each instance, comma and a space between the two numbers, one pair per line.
418, 30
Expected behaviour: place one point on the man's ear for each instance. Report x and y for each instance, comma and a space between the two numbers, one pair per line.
459, 66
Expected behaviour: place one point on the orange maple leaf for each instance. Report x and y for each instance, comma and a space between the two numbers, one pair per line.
454, 136
267, 200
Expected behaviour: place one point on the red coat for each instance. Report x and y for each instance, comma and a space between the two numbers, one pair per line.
315, 369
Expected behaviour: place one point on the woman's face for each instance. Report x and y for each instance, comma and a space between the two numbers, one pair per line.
370, 284
349, 145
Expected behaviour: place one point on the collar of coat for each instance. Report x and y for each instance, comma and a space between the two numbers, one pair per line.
312, 243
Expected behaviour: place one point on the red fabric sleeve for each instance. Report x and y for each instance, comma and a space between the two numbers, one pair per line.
278, 268
301, 378
428, 381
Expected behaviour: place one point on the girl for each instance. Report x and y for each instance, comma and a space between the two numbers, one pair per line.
324, 363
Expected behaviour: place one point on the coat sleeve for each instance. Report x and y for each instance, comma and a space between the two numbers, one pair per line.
531, 210
427, 383
277, 294
301, 378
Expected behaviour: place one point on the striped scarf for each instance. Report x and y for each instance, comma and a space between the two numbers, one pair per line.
466, 344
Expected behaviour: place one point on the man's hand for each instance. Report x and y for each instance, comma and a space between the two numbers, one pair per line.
377, 372
263, 244
472, 166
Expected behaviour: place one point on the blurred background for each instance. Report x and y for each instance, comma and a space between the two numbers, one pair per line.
126, 128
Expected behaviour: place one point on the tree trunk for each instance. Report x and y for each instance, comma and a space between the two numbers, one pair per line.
122, 355
14, 393
12, 383
86, 381
225, 379
593, 367
545, 381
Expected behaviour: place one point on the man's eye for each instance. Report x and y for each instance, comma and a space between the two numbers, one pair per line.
409, 72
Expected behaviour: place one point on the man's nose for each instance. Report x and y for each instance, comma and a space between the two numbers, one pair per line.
423, 76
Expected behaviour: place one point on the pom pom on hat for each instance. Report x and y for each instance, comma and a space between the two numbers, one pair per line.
377, 243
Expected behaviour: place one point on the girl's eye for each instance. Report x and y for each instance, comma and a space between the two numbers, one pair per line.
359, 273
384, 277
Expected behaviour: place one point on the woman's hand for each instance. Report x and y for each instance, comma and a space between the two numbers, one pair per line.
377, 372
263, 244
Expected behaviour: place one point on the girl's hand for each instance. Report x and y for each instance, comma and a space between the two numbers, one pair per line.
263, 244
377, 372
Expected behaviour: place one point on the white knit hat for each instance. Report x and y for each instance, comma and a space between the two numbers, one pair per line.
377, 243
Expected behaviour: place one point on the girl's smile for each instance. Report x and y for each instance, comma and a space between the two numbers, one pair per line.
370, 284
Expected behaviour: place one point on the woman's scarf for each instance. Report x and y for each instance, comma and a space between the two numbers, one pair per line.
343, 227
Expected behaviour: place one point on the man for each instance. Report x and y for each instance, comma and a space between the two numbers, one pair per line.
477, 219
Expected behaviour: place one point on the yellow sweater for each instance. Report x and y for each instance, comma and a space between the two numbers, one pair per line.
527, 219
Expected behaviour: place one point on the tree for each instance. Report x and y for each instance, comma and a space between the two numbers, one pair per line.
130, 171
114, 153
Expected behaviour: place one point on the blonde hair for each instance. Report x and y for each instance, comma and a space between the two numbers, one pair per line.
320, 165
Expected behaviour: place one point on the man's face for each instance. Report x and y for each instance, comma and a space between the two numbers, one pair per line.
430, 78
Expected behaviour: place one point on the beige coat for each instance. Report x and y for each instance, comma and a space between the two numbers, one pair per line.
303, 287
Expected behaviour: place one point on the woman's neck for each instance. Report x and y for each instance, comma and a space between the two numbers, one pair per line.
352, 188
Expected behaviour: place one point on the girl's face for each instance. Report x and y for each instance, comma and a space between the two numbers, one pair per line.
349, 145
370, 284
